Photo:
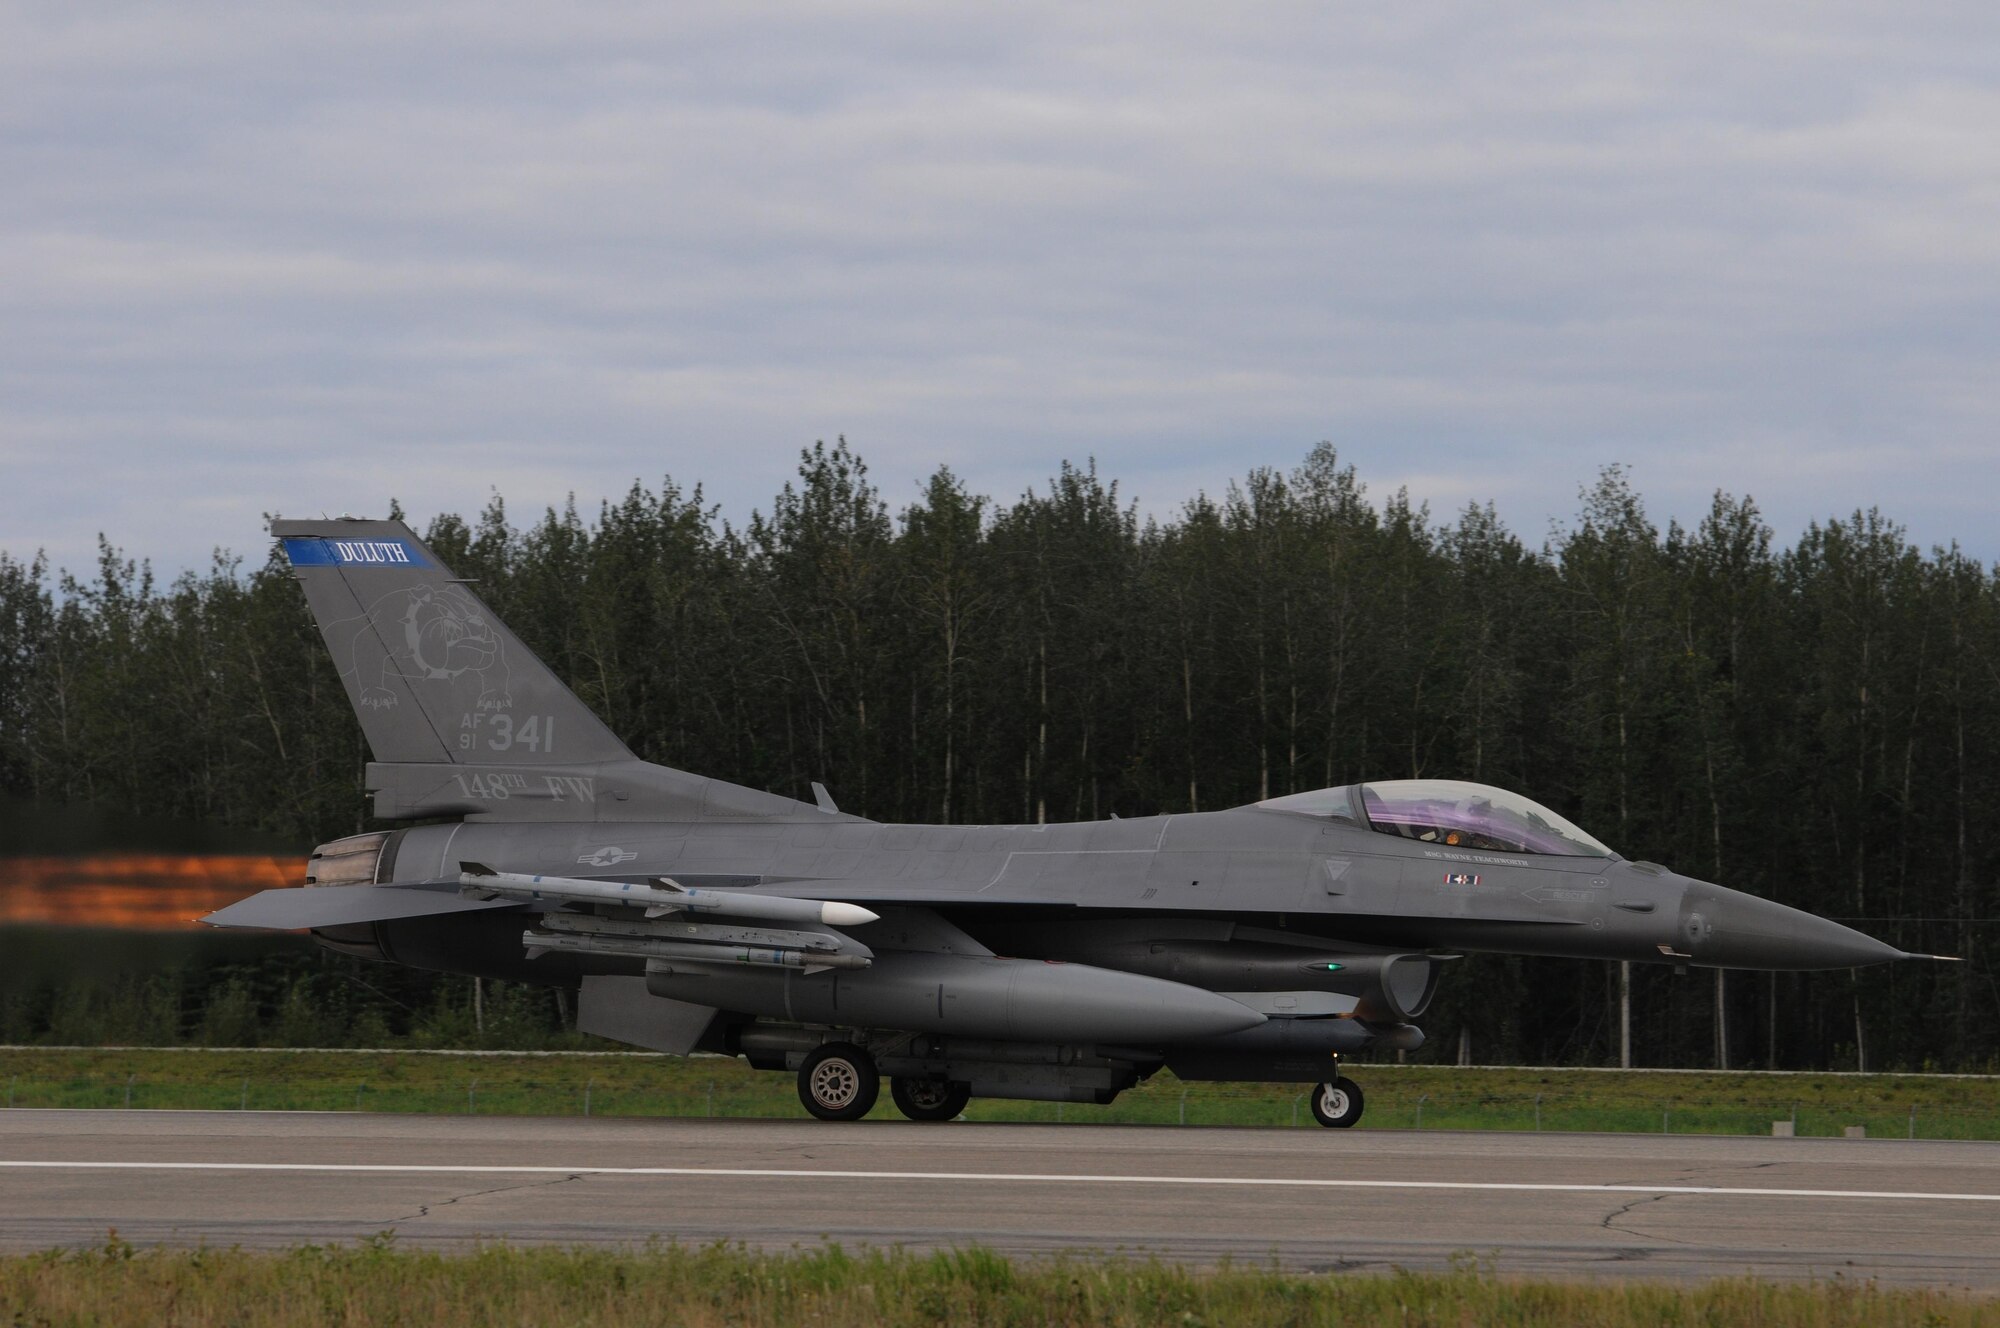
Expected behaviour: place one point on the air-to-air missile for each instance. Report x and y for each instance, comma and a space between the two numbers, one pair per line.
657, 897
1259, 942
539, 943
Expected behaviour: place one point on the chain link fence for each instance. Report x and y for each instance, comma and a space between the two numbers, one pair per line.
641, 1085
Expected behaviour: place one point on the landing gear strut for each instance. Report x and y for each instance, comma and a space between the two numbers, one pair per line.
929, 1099
1337, 1102
839, 1082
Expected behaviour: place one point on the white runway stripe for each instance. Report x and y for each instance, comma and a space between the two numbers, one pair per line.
994, 1177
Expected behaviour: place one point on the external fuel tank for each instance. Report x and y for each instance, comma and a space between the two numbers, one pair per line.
967, 996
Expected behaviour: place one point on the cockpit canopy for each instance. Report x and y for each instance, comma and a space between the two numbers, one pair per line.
1450, 814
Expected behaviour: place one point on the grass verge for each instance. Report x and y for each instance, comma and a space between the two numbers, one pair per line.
376, 1282
1428, 1097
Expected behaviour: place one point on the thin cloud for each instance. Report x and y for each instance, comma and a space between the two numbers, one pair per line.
295, 258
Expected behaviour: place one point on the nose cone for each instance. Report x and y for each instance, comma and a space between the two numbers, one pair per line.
1728, 929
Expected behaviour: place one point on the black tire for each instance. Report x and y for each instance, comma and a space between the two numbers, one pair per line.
839, 1082
1337, 1103
929, 1099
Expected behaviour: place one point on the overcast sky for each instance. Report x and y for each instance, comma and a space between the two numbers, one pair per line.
265, 257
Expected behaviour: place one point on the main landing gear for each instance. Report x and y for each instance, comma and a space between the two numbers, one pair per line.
1337, 1102
839, 1082
929, 1099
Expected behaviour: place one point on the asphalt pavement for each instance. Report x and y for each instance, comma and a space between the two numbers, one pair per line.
1656, 1206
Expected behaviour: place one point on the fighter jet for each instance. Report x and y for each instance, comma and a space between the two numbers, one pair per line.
1055, 962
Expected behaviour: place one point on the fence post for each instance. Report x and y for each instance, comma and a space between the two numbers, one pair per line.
586, 1095
358, 1089
1059, 1112
1420, 1109
1913, 1121
1295, 1111
10, 1090
711, 1098
243, 1102
1538, 1113
128, 1087
1663, 1120
470, 1094
1184, 1106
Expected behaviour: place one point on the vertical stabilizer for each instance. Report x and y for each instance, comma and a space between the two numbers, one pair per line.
433, 676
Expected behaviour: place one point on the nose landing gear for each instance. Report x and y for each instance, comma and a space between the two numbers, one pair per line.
1337, 1102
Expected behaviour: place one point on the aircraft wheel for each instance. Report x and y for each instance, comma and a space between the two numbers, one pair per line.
839, 1082
929, 1099
1337, 1103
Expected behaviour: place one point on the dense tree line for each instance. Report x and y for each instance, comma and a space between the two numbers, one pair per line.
96, 988
1817, 723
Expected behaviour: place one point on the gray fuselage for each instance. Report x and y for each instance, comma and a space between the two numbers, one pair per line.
1270, 869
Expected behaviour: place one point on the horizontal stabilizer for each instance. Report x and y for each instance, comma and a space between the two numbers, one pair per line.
340, 905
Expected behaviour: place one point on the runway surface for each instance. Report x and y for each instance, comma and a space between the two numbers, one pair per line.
1656, 1206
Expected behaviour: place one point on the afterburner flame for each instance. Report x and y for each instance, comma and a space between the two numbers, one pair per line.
134, 891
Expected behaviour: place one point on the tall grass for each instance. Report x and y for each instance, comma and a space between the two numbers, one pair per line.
377, 1282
